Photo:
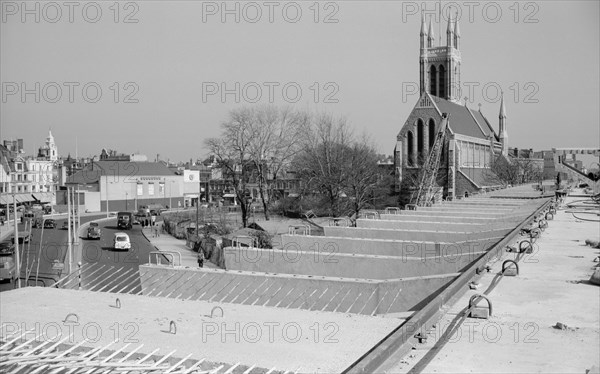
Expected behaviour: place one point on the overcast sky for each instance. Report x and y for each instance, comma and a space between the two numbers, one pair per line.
166, 64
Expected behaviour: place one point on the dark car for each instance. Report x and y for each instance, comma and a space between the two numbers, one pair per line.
49, 224
7, 248
65, 225
94, 231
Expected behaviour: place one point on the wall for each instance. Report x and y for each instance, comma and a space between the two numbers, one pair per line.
404, 225
92, 201
121, 188
463, 184
424, 218
343, 265
291, 291
421, 235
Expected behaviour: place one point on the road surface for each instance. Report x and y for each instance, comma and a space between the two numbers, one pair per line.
94, 252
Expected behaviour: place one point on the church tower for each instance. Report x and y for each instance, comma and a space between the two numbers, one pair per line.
503, 135
52, 150
440, 66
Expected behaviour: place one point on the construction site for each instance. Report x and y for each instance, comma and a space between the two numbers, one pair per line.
356, 300
366, 294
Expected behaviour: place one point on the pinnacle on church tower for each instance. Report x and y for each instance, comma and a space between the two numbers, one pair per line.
503, 135
449, 32
430, 35
423, 34
456, 33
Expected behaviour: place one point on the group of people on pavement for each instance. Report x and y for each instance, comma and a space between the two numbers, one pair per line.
152, 224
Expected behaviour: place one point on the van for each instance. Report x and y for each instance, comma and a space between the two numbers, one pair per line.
121, 241
124, 220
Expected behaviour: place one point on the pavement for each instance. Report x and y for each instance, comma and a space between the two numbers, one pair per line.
545, 320
168, 243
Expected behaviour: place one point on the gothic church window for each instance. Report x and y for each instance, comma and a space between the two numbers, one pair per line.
442, 80
433, 81
431, 132
420, 137
410, 147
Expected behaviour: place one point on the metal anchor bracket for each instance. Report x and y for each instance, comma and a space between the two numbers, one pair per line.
212, 312
510, 271
71, 321
477, 311
525, 246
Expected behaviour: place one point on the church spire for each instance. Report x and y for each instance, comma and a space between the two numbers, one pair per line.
456, 33
449, 31
502, 114
430, 35
502, 127
423, 32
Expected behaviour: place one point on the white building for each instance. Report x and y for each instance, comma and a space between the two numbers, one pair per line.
126, 185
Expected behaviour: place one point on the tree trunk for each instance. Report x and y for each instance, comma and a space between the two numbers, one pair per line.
263, 195
244, 206
264, 202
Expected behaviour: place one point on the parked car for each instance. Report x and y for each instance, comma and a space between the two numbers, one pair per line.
121, 241
7, 248
65, 225
7, 268
50, 224
94, 231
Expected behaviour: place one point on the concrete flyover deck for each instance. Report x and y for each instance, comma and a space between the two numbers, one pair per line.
255, 336
521, 336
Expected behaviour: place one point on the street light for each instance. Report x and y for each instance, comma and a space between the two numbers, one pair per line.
106, 193
126, 207
170, 193
18, 264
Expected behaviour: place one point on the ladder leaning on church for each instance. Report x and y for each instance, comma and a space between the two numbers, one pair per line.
429, 172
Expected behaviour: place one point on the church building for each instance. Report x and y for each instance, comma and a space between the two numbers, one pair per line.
471, 144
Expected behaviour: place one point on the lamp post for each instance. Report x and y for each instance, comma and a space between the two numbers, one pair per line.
106, 193
198, 201
69, 221
40, 252
126, 207
170, 193
17, 259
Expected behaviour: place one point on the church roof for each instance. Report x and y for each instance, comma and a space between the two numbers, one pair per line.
480, 177
465, 121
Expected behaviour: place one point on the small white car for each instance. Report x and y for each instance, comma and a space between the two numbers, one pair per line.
121, 241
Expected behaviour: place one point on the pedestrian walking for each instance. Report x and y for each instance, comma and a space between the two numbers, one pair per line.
200, 258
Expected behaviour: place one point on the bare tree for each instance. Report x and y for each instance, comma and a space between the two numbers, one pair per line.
275, 140
365, 182
323, 163
504, 170
232, 154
